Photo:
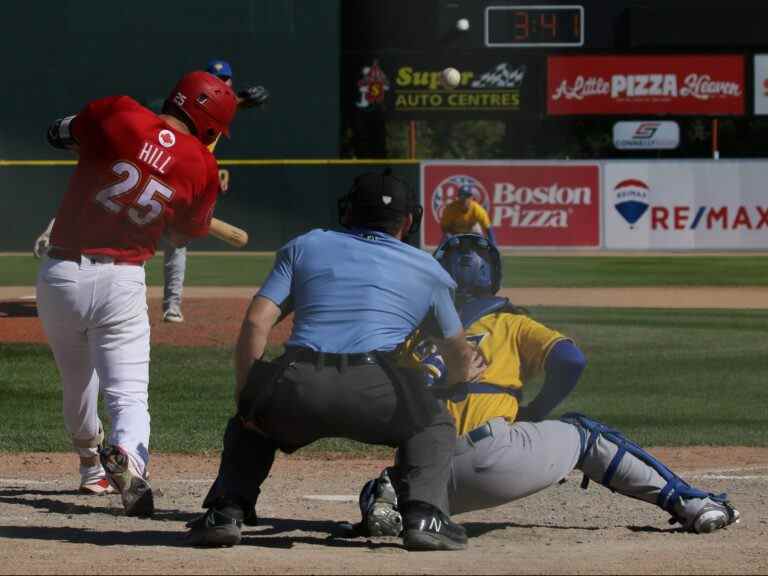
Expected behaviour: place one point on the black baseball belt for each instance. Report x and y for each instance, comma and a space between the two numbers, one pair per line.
321, 359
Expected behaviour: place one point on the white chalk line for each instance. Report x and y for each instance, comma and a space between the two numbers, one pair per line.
728, 477
331, 497
721, 474
321, 497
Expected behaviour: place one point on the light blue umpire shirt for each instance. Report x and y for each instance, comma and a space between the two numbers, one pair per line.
359, 291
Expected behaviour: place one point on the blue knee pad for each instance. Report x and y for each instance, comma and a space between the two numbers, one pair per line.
676, 487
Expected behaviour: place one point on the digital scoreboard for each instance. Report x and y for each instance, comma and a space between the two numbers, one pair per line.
534, 26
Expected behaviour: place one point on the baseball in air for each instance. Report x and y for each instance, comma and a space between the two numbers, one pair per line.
462, 24
450, 77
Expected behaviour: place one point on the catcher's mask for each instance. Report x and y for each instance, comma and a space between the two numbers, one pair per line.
376, 200
473, 262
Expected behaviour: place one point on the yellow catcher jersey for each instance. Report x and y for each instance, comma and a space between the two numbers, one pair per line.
515, 348
455, 221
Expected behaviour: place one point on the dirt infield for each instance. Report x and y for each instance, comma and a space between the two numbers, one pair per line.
46, 527
213, 315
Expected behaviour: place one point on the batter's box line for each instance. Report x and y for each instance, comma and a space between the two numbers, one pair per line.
708, 475
728, 477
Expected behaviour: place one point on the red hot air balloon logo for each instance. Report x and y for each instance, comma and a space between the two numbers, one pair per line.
631, 200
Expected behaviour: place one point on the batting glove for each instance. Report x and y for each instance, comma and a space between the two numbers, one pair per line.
253, 97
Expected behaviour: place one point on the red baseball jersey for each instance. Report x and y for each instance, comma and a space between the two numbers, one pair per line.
136, 176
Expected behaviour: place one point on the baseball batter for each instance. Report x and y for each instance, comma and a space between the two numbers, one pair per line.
175, 257
465, 215
499, 458
138, 175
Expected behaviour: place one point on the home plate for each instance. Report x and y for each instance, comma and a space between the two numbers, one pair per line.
331, 497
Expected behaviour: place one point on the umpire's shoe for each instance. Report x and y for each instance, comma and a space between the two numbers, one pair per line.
134, 489
427, 528
217, 527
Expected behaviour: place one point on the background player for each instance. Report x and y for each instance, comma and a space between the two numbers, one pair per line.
175, 258
139, 175
499, 458
465, 215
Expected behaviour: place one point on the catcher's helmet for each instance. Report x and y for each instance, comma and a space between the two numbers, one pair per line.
466, 191
376, 199
207, 102
473, 262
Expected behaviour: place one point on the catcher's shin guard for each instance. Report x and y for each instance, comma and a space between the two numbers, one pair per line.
670, 494
379, 507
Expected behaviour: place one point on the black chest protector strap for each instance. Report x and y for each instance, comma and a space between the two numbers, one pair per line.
470, 313
473, 310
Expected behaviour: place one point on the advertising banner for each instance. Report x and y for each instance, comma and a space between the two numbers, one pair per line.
411, 87
686, 205
761, 84
650, 135
529, 204
711, 85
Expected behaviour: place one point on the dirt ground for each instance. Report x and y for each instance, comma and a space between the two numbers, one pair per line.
46, 527
213, 315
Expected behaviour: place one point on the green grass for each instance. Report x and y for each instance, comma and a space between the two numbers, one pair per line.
672, 377
519, 271
664, 377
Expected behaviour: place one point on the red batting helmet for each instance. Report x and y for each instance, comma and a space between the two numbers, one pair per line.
208, 103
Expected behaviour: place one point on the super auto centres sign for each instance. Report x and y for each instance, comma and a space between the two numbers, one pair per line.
529, 204
411, 87
686, 205
710, 85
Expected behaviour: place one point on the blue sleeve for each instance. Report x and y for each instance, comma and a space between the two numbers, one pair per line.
565, 363
444, 312
491, 236
277, 287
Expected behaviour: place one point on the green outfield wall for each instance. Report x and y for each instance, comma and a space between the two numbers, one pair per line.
273, 200
59, 55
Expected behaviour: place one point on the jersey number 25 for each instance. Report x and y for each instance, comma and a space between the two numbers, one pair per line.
147, 206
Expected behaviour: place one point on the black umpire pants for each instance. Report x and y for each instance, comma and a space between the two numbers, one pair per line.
360, 402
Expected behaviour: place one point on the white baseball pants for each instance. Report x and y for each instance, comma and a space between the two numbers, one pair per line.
94, 314
174, 269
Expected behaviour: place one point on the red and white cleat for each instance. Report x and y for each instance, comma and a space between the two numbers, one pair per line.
96, 487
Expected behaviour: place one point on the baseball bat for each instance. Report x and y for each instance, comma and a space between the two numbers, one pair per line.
232, 235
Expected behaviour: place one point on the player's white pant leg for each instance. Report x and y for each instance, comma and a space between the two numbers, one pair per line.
119, 344
63, 299
518, 460
174, 269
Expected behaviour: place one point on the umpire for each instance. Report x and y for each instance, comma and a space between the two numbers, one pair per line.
357, 295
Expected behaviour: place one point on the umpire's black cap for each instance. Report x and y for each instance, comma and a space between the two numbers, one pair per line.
377, 199
382, 192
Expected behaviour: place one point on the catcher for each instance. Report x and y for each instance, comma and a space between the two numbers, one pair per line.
506, 452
